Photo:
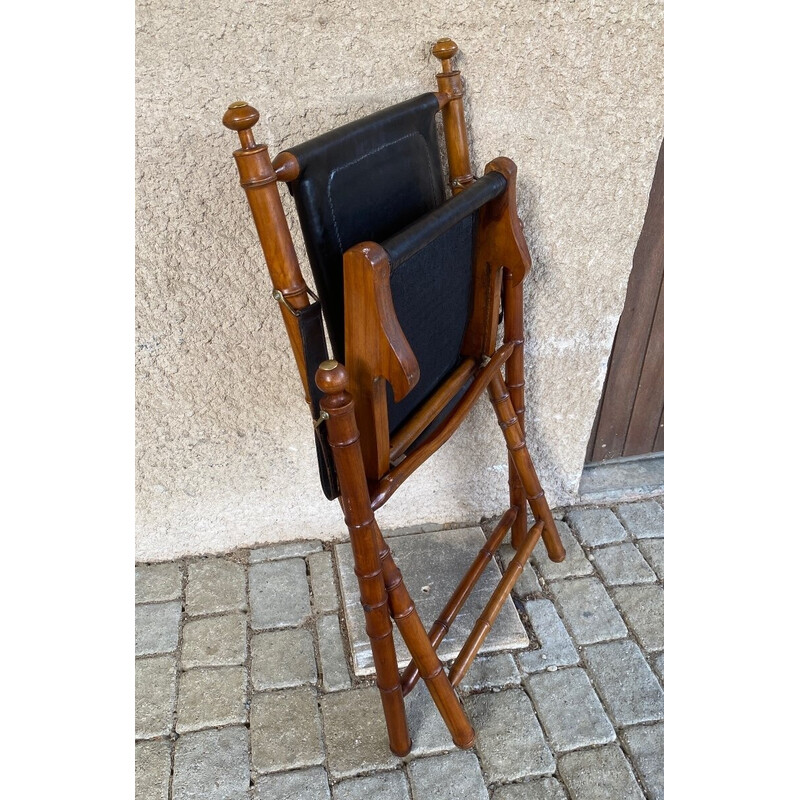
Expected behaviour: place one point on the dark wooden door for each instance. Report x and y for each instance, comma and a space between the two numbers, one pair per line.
630, 418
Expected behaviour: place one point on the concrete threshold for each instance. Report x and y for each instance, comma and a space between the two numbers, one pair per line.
620, 480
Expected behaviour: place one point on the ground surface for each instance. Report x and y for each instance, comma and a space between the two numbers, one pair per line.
245, 685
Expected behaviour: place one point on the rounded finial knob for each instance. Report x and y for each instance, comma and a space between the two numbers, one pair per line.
331, 377
240, 116
444, 49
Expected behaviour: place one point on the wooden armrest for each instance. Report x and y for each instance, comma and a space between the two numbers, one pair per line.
376, 350
500, 247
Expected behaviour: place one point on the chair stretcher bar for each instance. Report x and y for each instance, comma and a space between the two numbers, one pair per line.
489, 614
392, 481
459, 597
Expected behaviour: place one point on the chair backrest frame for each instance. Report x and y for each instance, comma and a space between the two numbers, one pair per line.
500, 255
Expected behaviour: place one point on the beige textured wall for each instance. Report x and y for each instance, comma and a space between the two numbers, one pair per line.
572, 91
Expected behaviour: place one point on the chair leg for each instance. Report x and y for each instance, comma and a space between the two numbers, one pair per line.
518, 451
423, 653
515, 381
364, 539
513, 330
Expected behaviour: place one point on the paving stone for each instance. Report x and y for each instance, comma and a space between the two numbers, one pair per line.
574, 564
587, 610
158, 582
214, 585
643, 609
426, 727
355, 732
527, 583
653, 551
508, 737
214, 641
601, 774
323, 586
488, 672
385, 786
152, 770
212, 765
437, 561
556, 648
332, 661
569, 709
157, 628
645, 745
643, 520
624, 682
540, 789
273, 552
279, 594
211, 697
282, 659
594, 526
622, 565
302, 784
455, 776
285, 730
658, 665
155, 696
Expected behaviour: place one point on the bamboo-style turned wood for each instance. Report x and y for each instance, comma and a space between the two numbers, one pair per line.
430, 668
456, 602
451, 84
513, 332
378, 575
518, 450
489, 614
331, 378
259, 181
369, 465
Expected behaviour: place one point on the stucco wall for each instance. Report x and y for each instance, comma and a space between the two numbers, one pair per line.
572, 91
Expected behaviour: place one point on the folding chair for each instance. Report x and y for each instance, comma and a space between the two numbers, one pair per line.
411, 286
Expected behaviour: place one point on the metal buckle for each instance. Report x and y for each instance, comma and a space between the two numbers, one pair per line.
277, 294
321, 418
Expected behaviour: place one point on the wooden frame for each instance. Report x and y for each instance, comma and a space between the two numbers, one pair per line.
371, 465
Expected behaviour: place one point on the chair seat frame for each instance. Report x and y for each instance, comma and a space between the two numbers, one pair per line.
370, 464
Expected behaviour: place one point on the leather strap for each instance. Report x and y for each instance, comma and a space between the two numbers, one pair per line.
315, 351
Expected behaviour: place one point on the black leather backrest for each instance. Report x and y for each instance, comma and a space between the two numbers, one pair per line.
364, 182
431, 282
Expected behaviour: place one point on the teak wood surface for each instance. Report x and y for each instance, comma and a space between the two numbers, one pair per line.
371, 465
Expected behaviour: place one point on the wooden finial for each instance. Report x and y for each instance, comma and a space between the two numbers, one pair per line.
331, 377
445, 50
241, 117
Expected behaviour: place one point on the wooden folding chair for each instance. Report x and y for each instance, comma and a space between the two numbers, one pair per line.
411, 286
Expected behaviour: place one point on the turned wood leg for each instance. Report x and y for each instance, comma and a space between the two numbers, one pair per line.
518, 450
364, 539
513, 331
515, 381
430, 668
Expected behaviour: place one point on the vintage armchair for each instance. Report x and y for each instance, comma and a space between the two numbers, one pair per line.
411, 286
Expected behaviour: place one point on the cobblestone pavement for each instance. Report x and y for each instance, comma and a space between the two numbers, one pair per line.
244, 687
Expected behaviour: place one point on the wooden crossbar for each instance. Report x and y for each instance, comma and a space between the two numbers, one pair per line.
392, 481
489, 614
459, 597
408, 433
